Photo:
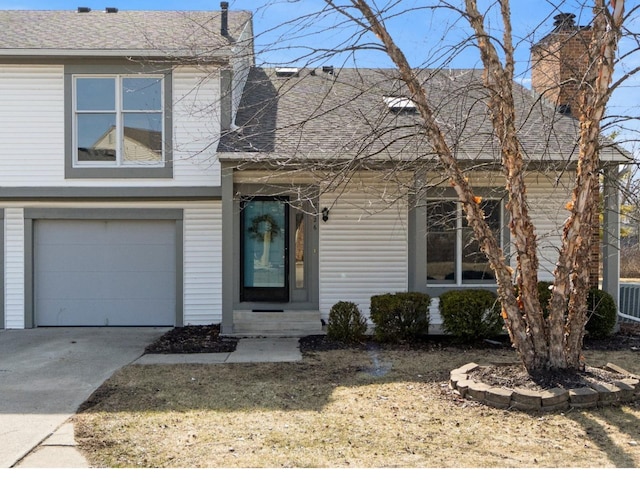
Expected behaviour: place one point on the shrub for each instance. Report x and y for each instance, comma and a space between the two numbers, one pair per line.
346, 323
471, 314
602, 313
401, 316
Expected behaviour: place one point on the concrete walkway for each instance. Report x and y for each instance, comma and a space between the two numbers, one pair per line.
248, 350
58, 449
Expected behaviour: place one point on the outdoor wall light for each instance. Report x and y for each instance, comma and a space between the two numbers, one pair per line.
325, 214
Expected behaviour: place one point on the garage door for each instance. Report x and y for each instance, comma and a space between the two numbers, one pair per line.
104, 273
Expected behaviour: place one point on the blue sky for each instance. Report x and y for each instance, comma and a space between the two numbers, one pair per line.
425, 36
421, 32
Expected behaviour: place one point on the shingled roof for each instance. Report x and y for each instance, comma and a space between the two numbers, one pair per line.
53, 32
318, 114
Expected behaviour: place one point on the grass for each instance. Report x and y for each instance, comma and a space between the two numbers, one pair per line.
340, 409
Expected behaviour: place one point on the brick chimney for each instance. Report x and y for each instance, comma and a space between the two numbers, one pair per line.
559, 63
559, 66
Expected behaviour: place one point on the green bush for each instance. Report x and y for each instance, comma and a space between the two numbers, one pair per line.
346, 323
399, 317
602, 314
471, 314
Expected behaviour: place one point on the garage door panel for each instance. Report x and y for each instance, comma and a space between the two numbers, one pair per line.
58, 257
93, 232
118, 285
139, 233
93, 272
93, 312
140, 285
70, 285
142, 257
132, 312
77, 312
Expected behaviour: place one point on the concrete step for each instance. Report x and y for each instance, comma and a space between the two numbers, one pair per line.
290, 323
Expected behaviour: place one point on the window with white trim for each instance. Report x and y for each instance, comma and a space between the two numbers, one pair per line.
118, 121
453, 254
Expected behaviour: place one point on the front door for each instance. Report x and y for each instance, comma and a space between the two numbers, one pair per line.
264, 250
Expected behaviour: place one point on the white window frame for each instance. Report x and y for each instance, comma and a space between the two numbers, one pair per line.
119, 114
459, 247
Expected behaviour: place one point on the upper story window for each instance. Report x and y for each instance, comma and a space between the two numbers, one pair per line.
453, 254
118, 122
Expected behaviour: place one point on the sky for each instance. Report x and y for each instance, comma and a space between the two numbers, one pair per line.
286, 29
418, 31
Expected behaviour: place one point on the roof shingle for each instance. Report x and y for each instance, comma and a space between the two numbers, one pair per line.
321, 115
164, 32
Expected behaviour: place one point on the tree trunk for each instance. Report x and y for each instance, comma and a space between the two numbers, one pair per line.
572, 271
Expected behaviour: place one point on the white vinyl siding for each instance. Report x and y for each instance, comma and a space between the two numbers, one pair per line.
363, 247
547, 208
32, 129
203, 265
14, 267
196, 121
31, 125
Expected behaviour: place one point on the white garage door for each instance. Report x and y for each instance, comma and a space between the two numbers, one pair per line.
104, 273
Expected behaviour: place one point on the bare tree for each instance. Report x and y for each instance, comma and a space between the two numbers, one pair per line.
543, 343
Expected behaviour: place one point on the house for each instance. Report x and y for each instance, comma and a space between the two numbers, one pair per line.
110, 188
156, 176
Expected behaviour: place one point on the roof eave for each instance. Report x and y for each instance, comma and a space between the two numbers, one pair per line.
478, 159
202, 55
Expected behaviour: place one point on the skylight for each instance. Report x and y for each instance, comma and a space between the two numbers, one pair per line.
287, 72
400, 104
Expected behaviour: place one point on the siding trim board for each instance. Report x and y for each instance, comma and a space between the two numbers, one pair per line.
35, 55
108, 193
103, 213
33, 214
2, 320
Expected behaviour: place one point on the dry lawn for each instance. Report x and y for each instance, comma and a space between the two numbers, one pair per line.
342, 408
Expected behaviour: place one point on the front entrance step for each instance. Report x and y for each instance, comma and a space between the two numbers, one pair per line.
297, 323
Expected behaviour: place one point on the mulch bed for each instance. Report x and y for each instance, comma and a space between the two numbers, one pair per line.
193, 339
207, 339
515, 376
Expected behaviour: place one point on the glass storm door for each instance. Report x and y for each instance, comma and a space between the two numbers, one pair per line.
264, 258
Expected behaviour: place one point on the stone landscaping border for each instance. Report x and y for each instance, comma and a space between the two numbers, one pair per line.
596, 395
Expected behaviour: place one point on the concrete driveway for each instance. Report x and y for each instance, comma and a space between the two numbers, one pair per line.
46, 373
